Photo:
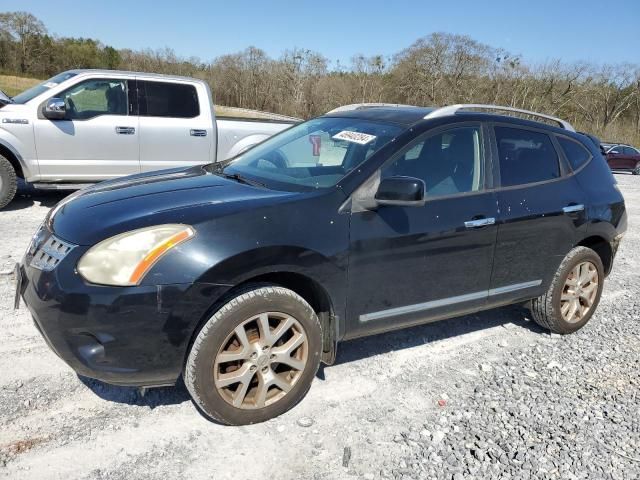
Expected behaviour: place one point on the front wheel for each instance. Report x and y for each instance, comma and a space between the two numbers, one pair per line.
256, 357
574, 293
8, 182
636, 171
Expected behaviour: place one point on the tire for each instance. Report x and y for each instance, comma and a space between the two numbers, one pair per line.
8, 182
208, 367
547, 309
636, 171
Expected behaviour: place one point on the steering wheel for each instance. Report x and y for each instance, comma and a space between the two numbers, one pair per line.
276, 158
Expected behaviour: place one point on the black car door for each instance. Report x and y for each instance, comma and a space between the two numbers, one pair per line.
410, 264
540, 208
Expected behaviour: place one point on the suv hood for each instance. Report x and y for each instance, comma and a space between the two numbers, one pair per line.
188, 196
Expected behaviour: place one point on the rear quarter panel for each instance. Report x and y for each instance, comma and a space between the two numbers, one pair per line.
605, 206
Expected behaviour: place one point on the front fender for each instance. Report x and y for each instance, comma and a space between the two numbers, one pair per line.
23, 152
329, 273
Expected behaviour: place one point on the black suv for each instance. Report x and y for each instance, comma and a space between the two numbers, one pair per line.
243, 276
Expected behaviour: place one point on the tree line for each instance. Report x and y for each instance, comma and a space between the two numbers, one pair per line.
438, 69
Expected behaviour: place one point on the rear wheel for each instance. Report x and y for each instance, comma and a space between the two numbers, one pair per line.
636, 171
256, 357
574, 293
8, 182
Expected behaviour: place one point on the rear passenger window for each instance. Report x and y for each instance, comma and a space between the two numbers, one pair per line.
575, 153
159, 99
525, 156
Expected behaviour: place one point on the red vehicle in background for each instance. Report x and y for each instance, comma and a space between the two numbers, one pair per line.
622, 157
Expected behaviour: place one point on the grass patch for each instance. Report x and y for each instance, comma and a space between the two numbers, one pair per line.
12, 85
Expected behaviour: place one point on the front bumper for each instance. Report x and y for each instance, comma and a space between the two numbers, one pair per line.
136, 336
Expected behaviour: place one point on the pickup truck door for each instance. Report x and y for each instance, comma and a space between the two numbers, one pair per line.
97, 140
176, 125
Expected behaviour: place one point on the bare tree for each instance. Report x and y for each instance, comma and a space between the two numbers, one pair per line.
25, 29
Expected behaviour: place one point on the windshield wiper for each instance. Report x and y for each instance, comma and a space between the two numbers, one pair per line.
239, 178
5, 99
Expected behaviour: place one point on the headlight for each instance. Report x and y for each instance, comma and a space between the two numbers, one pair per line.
125, 259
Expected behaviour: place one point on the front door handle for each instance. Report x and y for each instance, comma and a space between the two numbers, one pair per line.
573, 208
125, 130
479, 222
196, 132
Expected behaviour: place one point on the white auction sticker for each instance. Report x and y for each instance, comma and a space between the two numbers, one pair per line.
355, 137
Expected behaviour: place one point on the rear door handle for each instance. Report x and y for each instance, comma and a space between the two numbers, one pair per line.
479, 222
195, 132
573, 208
125, 130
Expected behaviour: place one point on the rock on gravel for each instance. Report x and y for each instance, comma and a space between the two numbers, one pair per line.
305, 421
563, 408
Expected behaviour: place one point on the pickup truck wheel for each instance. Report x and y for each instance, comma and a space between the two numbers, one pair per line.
8, 182
574, 293
256, 357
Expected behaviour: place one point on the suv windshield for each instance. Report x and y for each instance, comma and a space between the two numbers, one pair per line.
33, 92
314, 154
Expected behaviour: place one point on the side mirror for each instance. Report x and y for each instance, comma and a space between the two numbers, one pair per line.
55, 109
402, 191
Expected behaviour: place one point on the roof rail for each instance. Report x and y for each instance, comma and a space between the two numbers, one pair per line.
452, 109
361, 106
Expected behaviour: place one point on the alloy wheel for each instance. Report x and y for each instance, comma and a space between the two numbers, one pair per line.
261, 360
579, 292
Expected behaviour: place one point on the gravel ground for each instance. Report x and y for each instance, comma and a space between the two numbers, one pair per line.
482, 396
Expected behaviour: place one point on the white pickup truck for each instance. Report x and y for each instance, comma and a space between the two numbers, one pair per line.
84, 126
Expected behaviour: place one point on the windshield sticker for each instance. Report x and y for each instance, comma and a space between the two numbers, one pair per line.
355, 137
50, 84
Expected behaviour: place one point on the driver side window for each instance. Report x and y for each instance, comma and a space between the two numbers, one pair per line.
449, 162
95, 97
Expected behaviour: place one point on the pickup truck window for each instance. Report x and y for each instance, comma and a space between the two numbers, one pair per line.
33, 92
98, 96
163, 99
315, 154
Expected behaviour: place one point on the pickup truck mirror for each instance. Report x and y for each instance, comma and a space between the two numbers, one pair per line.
55, 109
402, 191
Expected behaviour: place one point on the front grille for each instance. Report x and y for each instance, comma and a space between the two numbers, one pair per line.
50, 254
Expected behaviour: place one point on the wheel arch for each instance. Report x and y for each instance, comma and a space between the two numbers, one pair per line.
307, 273
314, 294
245, 144
602, 247
12, 156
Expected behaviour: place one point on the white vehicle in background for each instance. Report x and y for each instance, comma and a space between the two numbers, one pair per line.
85, 126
